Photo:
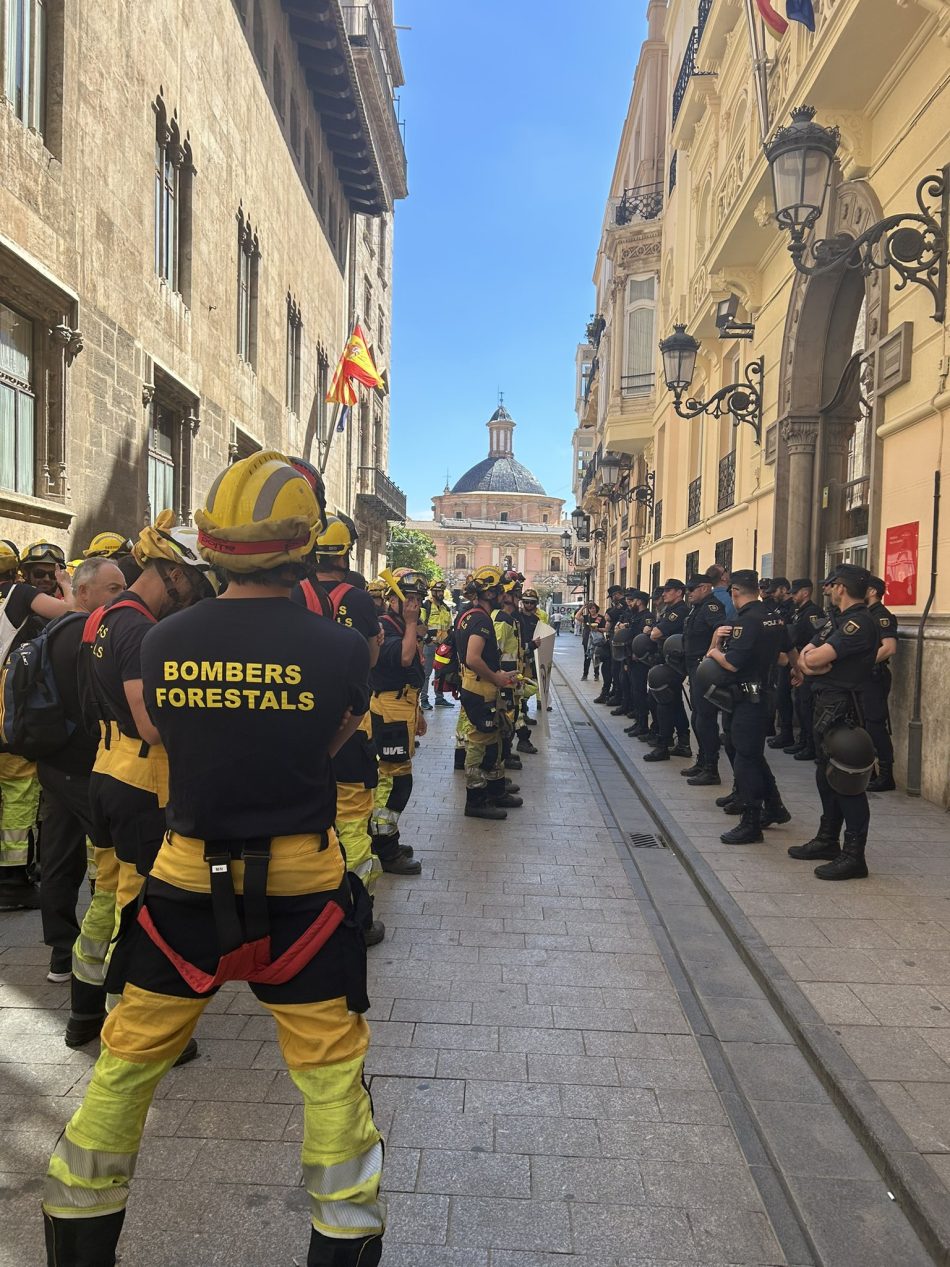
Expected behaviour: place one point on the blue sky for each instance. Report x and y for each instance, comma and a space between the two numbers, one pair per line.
513, 114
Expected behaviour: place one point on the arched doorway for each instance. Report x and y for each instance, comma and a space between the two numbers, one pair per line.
824, 511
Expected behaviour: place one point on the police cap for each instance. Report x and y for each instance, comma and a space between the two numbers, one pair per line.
746, 579
831, 577
657, 593
644, 597
765, 585
877, 583
802, 583
851, 574
779, 581
614, 589
695, 581
631, 593
672, 584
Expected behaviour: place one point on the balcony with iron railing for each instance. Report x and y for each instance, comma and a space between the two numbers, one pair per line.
694, 502
727, 481
687, 74
378, 496
637, 384
642, 202
369, 55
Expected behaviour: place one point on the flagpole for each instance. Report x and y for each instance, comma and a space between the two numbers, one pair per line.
760, 65
333, 430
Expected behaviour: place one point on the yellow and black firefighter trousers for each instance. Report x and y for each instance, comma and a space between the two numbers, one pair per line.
355, 768
484, 740
322, 1034
394, 717
128, 792
19, 807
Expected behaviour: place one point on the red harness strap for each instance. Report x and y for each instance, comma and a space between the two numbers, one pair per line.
252, 961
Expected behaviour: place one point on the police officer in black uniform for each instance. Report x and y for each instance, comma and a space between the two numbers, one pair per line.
750, 649
704, 617
641, 622
623, 634
877, 717
840, 660
615, 606
780, 601
805, 623
671, 716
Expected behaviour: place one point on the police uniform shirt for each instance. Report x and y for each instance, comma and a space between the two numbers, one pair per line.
389, 673
247, 696
755, 642
642, 622
809, 619
477, 622
702, 620
117, 659
885, 620
856, 640
673, 618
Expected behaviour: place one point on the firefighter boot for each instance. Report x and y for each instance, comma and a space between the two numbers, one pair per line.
393, 858
849, 864
460, 758
83, 1242
327, 1251
477, 805
824, 844
499, 795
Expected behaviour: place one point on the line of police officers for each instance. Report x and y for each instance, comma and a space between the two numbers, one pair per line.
755, 657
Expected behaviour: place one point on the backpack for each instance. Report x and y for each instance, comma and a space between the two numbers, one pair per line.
322, 603
8, 630
33, 721
93, 710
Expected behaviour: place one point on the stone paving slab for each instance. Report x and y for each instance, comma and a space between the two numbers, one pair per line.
871, 957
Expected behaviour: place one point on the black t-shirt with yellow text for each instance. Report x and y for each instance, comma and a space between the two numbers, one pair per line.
116, 659
247, 695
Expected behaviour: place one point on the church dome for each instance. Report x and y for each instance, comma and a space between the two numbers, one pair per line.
499, 472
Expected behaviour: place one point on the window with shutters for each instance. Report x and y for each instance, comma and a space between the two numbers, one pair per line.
639, 344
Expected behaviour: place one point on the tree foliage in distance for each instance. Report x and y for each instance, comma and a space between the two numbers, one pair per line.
410, 548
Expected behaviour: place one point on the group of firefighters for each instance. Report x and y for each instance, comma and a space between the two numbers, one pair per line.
239, 713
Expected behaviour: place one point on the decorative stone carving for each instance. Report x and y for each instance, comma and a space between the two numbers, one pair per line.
800, 434
68, 339
763, 214
148, 394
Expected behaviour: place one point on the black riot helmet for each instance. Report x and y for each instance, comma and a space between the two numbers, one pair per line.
644, 649
714, 683
664, 684
850, 755
673, 654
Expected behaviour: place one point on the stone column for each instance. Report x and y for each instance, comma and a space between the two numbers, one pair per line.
800, 436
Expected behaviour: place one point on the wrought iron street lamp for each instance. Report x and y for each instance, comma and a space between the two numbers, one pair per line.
742, 400
580, 522
608, 470
913, 243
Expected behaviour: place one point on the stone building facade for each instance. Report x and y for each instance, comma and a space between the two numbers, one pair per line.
855, 417
498, 511
178, 207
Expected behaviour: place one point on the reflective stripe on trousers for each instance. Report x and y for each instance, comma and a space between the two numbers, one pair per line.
91, 949
354, 805
18, 810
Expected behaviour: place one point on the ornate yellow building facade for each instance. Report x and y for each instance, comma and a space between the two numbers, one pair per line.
855, 409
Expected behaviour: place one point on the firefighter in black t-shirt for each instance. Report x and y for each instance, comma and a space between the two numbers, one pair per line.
396, 681
25, 607
483, 681
877, 716
250, 695
750, 648
840, 661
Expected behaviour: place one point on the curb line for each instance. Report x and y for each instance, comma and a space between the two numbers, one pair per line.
914, 1184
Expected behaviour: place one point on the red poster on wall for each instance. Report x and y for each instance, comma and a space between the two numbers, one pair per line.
900, 565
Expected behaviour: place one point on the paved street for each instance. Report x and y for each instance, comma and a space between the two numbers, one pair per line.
571, 1062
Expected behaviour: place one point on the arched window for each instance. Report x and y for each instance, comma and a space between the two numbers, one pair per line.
639, 309
461, 560
555, 563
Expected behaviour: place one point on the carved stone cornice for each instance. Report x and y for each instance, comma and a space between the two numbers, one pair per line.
744, 282
633, 246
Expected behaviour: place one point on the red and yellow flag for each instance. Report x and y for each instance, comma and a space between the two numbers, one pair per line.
774, 21
356, 364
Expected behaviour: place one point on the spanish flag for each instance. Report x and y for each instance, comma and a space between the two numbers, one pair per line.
774, 21
357, 364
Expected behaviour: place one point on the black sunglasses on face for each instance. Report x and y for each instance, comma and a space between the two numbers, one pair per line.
42, 574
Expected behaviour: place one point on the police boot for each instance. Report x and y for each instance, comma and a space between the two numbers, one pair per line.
514, 762
327, 1251
698, 764
682, 748
793, 749
82, 1242
824, 844
849, 864
658, 752
393, 858
477, 804
884, 780
619, 711
775, 813
708, 776
635, 730
459, 758
723, 801
807, 753
748, 831
498, 794
781, 740
600, 699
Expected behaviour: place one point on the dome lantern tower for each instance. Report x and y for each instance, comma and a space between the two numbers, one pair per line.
501, 427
